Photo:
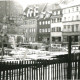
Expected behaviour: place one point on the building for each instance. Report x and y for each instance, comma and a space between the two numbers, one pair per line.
56, 25
44, 27
32, 12
71, 22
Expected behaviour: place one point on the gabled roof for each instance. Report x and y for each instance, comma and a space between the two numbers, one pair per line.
39, 6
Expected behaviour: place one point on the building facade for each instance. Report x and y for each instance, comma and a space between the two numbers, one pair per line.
32, 13
44, 27
71, 22
56, 27
31, 30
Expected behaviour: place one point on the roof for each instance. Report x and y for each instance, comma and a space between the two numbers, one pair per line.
39, 6
73, 3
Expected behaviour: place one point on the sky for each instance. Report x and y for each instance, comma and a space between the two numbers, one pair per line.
24, 3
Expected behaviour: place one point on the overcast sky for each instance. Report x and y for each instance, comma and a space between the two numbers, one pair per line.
24, 3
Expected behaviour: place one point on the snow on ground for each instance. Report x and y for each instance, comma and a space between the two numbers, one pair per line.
31, 54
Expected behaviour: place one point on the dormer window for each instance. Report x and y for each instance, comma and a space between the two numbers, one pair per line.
28, 15
47, 15
32, 14
58, 12
54, 12
36, 14
41, 16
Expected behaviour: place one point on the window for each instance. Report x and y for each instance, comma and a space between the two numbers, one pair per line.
59, 38
64, 18
32, 14
42, 30
77, 27
36, 14
33, 38
76, 38
45, 30
54, 12
43, 22
48, 22
30, 39
48, 29
34, 30
69, 10
64, 26
59, 29
39, 30
60, 19
54, 20
77, 8
40, 23
72, 18
53, 38
65, 38
30, 30
72, 28
28, 15
53, 29
77, 17
58, 12
73, 9
68, 26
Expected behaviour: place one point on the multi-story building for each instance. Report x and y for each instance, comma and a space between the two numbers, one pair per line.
71, 22
44, 27
32, 13
56, 25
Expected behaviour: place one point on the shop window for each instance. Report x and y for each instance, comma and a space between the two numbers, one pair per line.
53, 39
59, 39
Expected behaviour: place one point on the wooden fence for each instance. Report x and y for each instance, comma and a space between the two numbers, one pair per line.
56, 69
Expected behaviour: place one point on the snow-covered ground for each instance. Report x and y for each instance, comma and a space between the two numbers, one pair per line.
31, 54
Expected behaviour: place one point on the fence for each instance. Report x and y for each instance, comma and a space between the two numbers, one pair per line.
56, 69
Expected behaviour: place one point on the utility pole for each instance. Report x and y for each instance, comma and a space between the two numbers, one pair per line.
69, 59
